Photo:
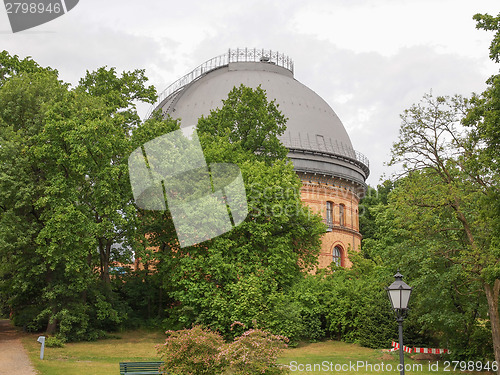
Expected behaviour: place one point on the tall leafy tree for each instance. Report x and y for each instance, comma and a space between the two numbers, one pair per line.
12, 65
276, 241
444, 196
369, 206
23, 100
448, 308
250, 120
484, 119
66, 199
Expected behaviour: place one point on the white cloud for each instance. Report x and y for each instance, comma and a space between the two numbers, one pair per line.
369, 60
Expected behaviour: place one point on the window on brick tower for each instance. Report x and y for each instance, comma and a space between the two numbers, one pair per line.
329, 213
337, 256
341, 215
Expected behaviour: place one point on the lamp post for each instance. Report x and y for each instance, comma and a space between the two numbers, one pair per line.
399, 294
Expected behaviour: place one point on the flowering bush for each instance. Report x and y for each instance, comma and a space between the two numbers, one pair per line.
191, 352
254, 352
199, 351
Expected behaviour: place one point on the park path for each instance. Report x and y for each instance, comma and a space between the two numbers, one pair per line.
13, 357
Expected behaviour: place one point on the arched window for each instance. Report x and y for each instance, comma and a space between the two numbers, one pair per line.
329, 214
341, 215
337, 256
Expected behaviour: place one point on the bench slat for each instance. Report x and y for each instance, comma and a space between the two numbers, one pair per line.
139, 368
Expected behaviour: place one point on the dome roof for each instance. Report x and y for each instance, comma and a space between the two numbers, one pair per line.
315, 136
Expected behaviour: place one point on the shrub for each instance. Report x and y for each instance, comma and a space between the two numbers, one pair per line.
284, 317
55, 342
309, 296
29, 317
191, 352
200, 351
254, 352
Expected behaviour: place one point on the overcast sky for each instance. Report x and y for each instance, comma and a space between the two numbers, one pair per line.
368, 59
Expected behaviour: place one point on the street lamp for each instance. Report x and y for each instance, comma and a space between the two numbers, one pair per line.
399, 293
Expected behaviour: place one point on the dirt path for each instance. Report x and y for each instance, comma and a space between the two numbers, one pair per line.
13, 358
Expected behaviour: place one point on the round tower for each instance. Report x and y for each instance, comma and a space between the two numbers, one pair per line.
333, 174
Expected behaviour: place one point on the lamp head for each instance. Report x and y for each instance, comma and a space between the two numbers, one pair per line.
399, 293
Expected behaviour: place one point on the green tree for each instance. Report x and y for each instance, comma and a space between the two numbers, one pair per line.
279, 237
67, 208
248, 119
484, 119
368, 206
12, 65
443, 198
446, 308
23, 100
490, 23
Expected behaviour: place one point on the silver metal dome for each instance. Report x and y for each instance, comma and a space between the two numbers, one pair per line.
315, 136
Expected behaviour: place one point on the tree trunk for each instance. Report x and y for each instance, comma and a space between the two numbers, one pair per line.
492, 297
105, 253
52, 324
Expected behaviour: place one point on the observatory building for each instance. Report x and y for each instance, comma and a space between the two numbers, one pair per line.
333, 174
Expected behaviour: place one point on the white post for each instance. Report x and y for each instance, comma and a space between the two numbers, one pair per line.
41, 340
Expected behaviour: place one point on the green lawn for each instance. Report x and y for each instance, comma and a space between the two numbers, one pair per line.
334, 357
94, 358
102, 357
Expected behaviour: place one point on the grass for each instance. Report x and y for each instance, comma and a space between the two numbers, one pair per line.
102, 357
334, 357
94, 358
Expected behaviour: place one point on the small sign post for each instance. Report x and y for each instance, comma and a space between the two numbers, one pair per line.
41, 340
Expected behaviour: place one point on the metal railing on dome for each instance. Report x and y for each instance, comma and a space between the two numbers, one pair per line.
233, 55
260, 55
325, 144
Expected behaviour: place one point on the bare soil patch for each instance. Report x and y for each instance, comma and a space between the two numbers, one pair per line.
13, 356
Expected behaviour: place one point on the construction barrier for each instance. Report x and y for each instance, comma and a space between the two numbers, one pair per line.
430, 350
395, 346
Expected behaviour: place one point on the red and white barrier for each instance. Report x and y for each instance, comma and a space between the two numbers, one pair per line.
431, 350
395, 346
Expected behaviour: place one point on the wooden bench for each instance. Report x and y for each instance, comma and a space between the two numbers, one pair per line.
140, 368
